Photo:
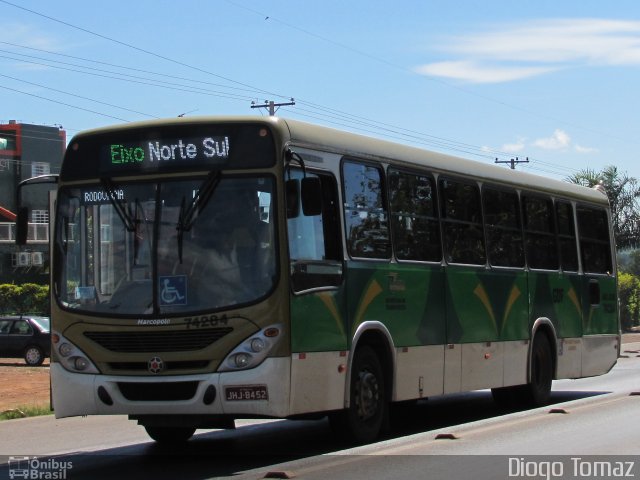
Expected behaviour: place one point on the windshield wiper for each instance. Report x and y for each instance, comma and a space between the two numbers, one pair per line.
187, 215
118, 204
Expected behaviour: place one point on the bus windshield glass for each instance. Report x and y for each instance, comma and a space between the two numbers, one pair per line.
162, 248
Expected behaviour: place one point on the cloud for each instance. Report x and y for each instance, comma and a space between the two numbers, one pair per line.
512, 147
585, 150
515, 147
479, 73
518, 51
558, 141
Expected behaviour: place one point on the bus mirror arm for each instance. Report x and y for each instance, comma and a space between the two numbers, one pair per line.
310, 193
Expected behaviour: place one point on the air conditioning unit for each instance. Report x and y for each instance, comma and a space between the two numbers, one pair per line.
37, 258
21, 259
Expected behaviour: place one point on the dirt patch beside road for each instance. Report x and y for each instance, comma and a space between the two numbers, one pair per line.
22, 385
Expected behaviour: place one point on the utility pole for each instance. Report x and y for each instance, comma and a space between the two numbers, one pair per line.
513, 162
271, 105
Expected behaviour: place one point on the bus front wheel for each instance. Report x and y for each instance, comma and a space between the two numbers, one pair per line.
170, 435
362, 421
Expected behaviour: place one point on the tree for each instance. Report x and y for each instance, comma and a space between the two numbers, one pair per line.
624, 198
629, 291
9, 294
629, 262
26, 298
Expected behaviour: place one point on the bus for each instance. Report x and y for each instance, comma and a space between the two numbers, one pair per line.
208, 269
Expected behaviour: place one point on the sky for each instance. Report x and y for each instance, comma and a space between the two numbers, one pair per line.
554, 82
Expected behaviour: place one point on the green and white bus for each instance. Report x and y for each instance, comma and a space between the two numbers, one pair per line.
207, 269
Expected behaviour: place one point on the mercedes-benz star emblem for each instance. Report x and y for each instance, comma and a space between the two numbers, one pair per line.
155, 365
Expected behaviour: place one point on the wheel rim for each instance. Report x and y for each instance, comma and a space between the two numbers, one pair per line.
367, 395
33, 355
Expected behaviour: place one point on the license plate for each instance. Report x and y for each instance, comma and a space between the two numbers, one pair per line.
245, 393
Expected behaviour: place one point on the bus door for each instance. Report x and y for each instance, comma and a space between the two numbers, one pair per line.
318, 321
599, 284
599, 291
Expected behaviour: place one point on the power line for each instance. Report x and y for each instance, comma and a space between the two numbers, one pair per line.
388, 130
428, 78
63, 103
139, 49
272, 106
512, 162
127, 67
131, 78
77, 96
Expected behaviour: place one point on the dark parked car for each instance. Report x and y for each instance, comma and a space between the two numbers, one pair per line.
25, 336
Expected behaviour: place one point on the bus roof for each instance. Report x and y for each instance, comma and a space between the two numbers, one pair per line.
368, 148
359, 146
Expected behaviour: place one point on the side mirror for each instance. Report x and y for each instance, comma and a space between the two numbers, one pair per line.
292, 191
311, 196
22, 226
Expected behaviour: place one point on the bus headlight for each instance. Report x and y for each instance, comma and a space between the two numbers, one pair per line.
65, 349
257, 344
252, 351
241, 360
71, 357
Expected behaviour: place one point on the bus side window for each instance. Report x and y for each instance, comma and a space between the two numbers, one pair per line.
595, 247
504, 231
414, 216
367, 225
314, 240
567, 236
540, 233
461, 214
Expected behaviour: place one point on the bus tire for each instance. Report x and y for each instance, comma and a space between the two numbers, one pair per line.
363, 420
536, 393
170, 435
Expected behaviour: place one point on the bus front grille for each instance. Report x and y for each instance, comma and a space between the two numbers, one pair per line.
154, 342
168, 366
158, 392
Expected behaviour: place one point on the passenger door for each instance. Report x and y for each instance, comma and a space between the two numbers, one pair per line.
599, 284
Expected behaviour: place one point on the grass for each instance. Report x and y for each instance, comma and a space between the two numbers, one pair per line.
24, 411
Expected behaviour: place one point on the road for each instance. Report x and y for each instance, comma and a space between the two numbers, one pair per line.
453, 437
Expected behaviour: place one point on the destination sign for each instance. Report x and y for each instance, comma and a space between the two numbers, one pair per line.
100, 197
179, 152
168, 148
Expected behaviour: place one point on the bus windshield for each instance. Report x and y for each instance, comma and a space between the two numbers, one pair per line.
161, 248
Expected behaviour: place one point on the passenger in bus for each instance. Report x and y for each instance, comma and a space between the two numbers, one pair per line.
230, 236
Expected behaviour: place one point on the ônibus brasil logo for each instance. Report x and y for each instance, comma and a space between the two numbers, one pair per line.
37, 469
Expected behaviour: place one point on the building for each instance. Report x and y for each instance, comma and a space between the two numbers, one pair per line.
27, 151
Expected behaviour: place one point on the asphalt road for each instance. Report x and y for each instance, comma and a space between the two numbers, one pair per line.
453, 437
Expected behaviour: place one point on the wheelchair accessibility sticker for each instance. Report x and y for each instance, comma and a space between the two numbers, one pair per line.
173, 290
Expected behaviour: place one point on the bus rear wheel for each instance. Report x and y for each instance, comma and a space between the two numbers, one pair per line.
538, 391
170, 435
362, 421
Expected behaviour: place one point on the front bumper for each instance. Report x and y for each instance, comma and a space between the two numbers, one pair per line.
75, 394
